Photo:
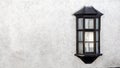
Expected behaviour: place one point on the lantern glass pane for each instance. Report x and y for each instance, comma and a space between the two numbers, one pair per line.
97, 23
89, 36
89, 47
80, 35
80, 47
89, 23
80, 23
97, 51
97, 36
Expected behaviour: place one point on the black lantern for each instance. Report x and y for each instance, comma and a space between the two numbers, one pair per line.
88, 21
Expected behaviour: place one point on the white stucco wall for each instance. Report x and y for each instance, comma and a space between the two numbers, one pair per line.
41, 33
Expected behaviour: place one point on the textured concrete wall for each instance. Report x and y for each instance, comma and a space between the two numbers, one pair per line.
41, 33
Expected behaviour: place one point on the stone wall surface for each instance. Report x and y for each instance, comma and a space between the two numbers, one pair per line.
41, 33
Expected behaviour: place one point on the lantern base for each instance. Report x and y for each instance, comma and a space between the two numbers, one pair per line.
88, 58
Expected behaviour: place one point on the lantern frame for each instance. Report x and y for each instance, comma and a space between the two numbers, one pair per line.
88, 13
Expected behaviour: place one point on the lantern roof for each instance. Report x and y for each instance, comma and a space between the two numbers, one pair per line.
88, 10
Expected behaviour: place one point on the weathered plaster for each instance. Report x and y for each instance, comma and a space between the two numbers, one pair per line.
41, 33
